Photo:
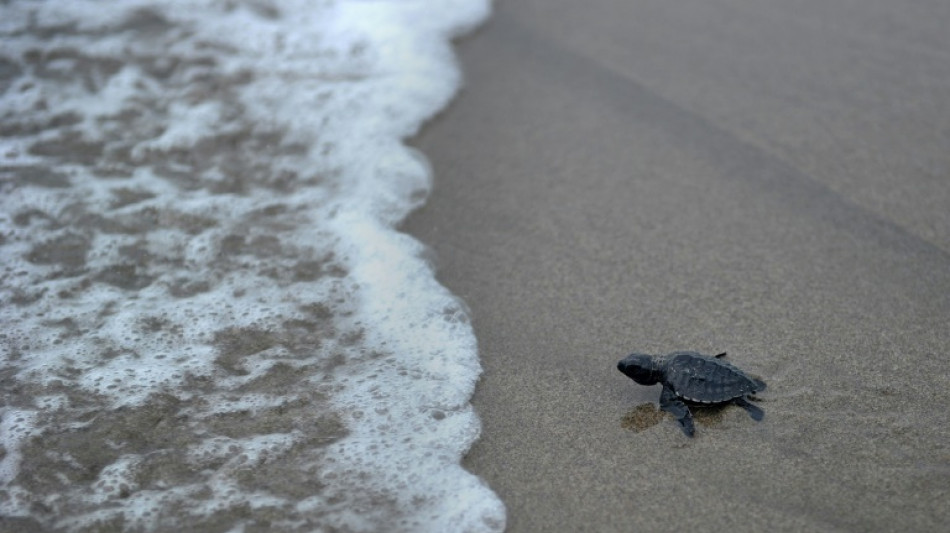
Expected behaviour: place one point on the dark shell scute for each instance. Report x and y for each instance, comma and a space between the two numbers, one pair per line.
707, 380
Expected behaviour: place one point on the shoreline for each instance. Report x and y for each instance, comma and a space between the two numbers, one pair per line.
615, 179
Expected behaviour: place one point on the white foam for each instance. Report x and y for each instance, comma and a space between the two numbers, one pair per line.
225, 256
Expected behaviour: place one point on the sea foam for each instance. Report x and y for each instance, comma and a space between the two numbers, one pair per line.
209, 321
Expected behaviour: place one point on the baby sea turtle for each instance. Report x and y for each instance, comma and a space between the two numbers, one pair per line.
695, 378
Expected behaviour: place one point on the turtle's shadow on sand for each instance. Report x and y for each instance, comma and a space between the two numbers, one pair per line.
647, 415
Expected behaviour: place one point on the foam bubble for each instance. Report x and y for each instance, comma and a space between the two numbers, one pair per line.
209, 317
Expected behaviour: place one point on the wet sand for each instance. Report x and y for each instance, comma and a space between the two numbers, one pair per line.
763, 178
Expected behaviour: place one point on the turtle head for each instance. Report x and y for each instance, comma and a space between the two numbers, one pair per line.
641, 368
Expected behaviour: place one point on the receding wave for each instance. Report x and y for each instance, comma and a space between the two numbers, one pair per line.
208, 320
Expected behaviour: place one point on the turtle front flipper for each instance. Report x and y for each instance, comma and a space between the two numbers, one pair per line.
673, 405
754, 411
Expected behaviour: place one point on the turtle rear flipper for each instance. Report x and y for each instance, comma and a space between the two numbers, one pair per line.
673, 405
754, 411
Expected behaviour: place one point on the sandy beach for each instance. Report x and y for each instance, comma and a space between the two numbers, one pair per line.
767, 179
